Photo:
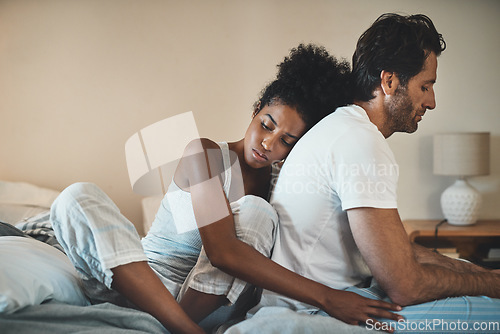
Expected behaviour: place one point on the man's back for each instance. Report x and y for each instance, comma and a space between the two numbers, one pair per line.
343, 162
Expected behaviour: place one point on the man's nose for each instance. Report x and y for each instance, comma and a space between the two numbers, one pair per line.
430, 103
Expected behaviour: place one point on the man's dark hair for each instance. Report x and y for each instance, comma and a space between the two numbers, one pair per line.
393, 43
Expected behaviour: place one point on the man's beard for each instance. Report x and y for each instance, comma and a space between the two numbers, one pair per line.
400, 112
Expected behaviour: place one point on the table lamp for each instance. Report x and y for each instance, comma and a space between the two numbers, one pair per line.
152, 153
461, 155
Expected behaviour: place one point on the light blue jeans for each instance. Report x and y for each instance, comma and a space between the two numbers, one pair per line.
464, 314
450, 315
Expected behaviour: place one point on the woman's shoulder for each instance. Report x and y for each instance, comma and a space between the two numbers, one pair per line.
200, 145
199, 156
202, 153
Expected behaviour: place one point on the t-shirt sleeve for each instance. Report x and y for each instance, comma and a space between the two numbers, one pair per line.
365, 173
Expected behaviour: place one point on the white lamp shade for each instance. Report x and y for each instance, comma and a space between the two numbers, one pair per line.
152, 153
462, 154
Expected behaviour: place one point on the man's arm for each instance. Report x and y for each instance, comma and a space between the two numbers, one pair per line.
426, 256
384, 245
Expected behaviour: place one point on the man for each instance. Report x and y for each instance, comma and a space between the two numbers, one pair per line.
336, 194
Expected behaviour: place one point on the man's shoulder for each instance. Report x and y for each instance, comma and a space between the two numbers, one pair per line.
347, 128
351, 117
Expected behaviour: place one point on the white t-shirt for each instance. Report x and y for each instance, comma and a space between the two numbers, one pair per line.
343, 162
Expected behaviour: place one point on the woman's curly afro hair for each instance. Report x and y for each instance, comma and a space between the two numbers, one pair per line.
310, 80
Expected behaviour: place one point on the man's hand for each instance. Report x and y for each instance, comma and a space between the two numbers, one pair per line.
354, 309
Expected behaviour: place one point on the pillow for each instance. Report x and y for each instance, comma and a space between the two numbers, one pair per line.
32, 272
40, 228
19, 200
11, 213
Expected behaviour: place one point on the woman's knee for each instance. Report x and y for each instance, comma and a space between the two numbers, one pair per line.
68, 208
255, 222
80, 189
74, 195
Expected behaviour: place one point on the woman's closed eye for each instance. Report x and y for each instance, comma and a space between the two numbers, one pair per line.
265, 126
286, 143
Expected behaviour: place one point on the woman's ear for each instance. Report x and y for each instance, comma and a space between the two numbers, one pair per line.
256, 109
389, 81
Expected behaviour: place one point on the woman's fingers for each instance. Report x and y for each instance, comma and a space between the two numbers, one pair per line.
380, 313
382, 310
386, 305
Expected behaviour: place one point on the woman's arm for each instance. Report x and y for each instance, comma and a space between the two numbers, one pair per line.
233, 256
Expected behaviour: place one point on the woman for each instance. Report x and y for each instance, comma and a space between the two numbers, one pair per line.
223, 196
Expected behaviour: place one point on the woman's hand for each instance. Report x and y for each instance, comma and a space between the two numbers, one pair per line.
354, 309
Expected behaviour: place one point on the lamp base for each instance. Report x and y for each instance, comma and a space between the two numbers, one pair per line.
460, 203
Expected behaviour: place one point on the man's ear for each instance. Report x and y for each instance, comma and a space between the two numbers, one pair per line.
389, 81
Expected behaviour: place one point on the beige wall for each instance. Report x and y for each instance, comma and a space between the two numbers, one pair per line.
77, 78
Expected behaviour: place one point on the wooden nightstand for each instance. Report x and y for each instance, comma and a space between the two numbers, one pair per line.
472, 242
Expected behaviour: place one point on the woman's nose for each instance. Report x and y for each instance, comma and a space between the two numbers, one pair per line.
267, 143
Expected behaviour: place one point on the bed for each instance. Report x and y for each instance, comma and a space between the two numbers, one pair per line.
39, 288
